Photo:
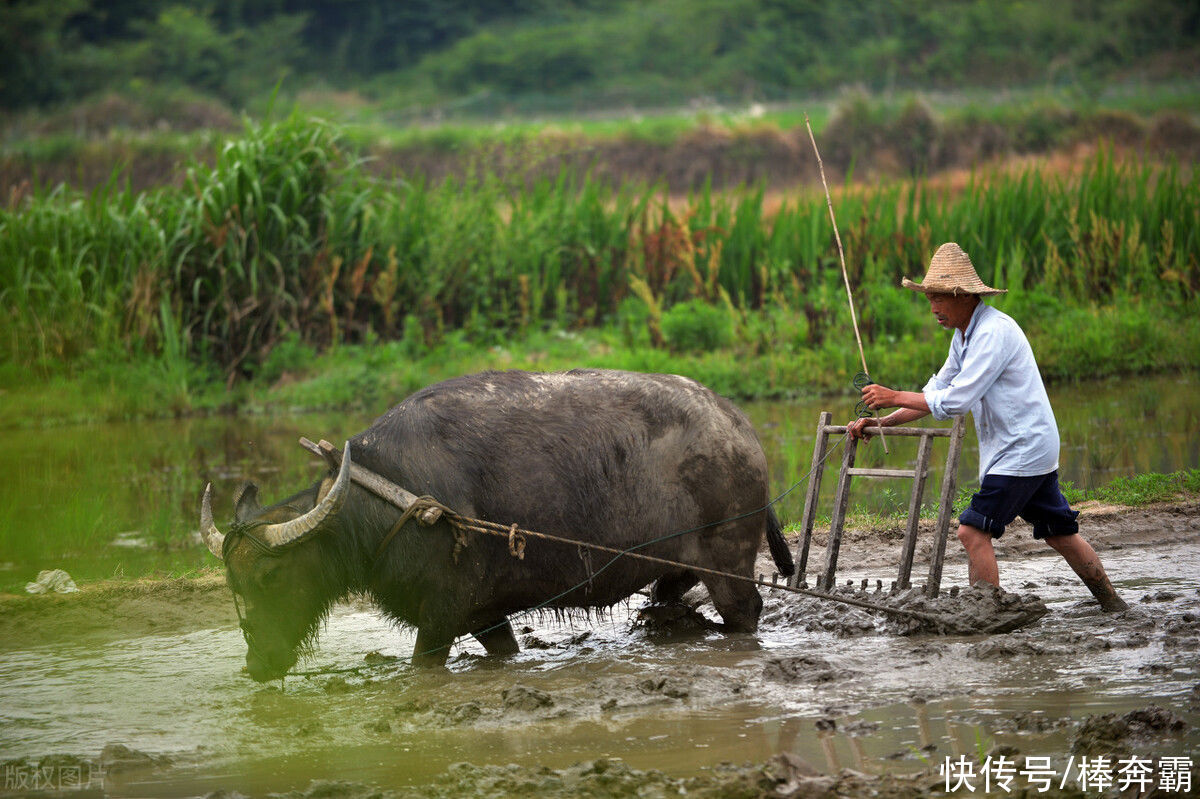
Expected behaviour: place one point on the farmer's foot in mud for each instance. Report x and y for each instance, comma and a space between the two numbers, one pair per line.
1086, 564
1106, 595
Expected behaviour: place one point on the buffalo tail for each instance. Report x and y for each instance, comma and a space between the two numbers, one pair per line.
778, 545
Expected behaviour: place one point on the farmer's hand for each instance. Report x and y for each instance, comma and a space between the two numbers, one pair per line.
863, 428
877, 396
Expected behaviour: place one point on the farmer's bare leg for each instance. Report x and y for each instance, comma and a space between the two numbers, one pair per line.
981, 557
1086, 563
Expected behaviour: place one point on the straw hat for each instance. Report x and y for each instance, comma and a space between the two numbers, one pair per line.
951, 272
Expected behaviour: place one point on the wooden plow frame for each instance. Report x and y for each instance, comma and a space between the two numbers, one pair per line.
826, 580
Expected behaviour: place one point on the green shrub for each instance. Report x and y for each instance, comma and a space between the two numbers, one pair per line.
854, 131
775, 329
289, 355
914, 136
696, 326
893, 312
632, 320
1031, 308
413, 343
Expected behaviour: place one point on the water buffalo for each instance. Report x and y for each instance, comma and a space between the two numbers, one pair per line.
615, 458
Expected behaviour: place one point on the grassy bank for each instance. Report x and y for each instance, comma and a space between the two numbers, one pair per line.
1081, 343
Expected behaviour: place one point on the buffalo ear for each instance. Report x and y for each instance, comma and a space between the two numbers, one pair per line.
246, 505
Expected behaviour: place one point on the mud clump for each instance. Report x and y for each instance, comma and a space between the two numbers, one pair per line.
667, 619
531, 641
327, 789
120, 759
821, 615
595, 778
1006, 646
379, 659
529, 699
667, 686
1186, 624
337, 685
1161, 596
465, 713
1112, 734
982, 608
1189, 644
812, 669
1030, 721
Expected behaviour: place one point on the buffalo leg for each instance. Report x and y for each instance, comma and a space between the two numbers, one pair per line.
738, 603
432, 647
498, 639
672, 587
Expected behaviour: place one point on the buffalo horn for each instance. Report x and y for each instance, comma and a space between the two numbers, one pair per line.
286, 532
214, 539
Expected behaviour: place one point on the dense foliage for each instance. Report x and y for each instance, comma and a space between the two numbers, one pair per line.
580, 52
287, 235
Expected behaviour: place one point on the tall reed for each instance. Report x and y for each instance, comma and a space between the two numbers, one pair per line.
286, 233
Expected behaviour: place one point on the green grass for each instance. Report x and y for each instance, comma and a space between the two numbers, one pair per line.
1144, 489
766, 360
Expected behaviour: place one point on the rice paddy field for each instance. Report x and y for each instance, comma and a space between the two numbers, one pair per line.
288, 283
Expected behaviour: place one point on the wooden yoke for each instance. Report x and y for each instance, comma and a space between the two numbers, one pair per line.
379, 486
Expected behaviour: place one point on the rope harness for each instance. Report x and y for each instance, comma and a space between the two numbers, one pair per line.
514, 533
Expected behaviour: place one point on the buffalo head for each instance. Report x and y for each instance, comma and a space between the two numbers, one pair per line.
276, 569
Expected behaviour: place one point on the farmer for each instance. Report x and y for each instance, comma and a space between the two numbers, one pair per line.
991, 373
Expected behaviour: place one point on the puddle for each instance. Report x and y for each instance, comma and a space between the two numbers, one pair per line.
584, 688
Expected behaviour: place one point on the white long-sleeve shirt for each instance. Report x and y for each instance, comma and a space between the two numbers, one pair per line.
991, 373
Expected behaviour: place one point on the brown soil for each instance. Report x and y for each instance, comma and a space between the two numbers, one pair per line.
110, 610
784, 775
778, 159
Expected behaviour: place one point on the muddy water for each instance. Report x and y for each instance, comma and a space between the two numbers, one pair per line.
120, 500
827, 685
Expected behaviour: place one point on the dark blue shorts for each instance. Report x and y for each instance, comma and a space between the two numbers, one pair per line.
1038, 500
